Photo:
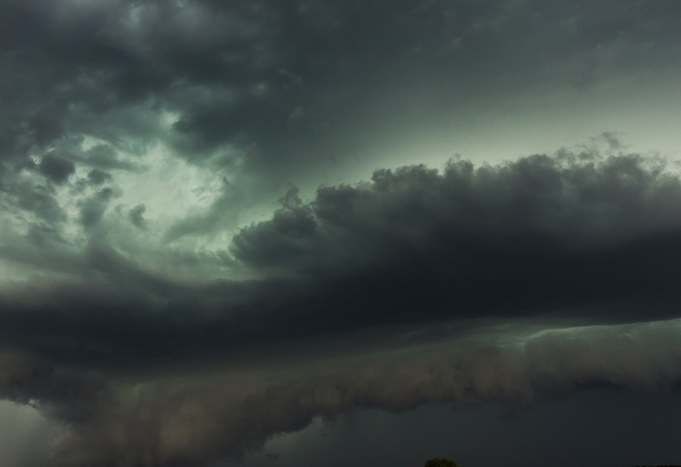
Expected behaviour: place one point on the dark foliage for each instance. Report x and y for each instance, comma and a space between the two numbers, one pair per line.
440, 462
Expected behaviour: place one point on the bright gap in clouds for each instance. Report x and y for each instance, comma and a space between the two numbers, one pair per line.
643, 117
26, 436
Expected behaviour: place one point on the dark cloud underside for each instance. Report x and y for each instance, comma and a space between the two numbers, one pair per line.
192, 421
162, 308
575, 235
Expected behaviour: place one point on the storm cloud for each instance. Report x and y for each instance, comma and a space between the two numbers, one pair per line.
224, 221
566, 238
577, 235
174, 421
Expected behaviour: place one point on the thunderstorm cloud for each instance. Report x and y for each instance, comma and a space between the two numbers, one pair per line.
225, 222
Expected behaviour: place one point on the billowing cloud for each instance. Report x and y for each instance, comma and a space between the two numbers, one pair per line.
573, 237
539, 234
575, 234
190, 421
56, 168
160, 305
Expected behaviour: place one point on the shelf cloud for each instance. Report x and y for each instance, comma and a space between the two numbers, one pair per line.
223, 221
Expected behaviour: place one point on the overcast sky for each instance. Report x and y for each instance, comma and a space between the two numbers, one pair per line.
339, 232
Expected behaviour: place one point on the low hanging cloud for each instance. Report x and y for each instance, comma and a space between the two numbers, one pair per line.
578, 235
136, 139
56, 168
194, 419
378, 295
582, 201
535, 235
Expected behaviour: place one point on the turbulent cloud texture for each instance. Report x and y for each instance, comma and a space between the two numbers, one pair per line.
577, 234
160, 305
191, 421
574, 236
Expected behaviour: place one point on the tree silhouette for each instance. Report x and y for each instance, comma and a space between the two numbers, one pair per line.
440, 462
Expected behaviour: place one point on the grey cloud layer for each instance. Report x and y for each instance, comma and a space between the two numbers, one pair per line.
286, 80
262, 92
580, 235
105, 277
174, 422
534, 235
594, 238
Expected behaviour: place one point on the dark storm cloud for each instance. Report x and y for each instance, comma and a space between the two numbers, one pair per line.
272, 89
39, 200
594, 238
98, 177
193, 421
93, 208
56, 168
136, 215
538, 234
577, 235
26, 379
291, 76
95, 335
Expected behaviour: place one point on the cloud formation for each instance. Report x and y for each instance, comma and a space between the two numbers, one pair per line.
157, 302
191, 421
579, 235
573, 236
542, 232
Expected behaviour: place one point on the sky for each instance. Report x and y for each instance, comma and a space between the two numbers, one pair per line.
290, 233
